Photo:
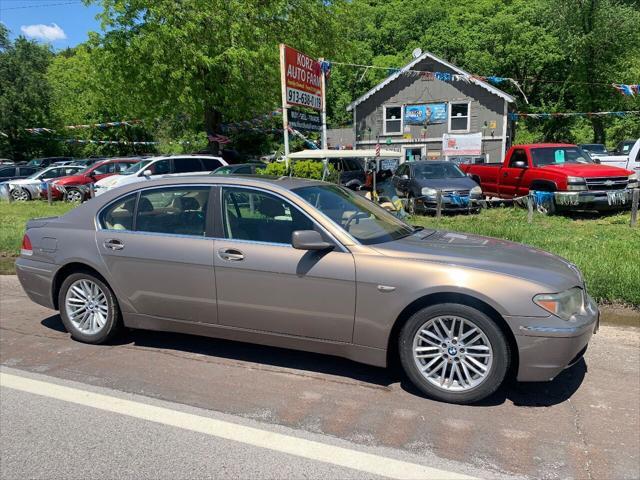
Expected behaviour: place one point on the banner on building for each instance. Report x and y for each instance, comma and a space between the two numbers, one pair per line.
469, 144
428, 113
302, 79
306, 121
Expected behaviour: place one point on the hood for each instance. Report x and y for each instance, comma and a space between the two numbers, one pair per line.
587, 170
70, 179
486, 253
462, 183
110, 181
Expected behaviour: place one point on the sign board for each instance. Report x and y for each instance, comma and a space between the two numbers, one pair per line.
469, 144
428, 113
302, 79
306, 121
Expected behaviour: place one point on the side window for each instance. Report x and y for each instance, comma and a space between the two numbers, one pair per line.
7, 172
180, 211
518, 156
27, 170
161, 167
261, 217
53, 173
244, 170
102, 169
211, 164
185, 165
121, 167
119, 215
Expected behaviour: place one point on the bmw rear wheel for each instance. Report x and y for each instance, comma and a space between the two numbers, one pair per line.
20, 195
88, 308
454, 353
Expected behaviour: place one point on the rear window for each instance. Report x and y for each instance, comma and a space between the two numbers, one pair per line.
211, 164
185, 165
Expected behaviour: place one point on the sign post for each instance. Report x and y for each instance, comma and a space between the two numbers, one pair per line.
285, 117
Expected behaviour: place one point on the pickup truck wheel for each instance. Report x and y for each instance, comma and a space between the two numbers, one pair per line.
454, 353
89, 309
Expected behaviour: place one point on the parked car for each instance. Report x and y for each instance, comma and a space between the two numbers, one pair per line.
239, 169
419, 183
274, 261
155, 167
560, 168
624, 147
595, 150
629, 160
71, 186
47, 161
90, 161
11, 172
29, 188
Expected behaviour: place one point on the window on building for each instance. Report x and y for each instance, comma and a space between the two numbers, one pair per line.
459, 119
392, 120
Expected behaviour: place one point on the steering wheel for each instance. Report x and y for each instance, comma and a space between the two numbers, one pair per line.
354, 216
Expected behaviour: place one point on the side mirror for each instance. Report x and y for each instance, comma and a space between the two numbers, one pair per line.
309, 240
520, 164
147, 173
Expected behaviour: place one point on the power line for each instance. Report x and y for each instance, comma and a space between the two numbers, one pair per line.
41, 5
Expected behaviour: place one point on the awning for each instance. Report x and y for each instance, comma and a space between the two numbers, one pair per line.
320, 154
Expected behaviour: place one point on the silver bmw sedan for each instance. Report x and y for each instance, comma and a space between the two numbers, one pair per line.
311, 266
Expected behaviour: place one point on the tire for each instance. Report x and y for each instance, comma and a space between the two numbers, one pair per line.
105, 312
20, 195
465, 386
74, 195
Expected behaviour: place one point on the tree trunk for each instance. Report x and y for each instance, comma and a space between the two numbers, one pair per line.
599, 134
212, 121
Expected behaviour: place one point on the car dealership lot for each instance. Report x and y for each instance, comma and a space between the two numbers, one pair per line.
582, 425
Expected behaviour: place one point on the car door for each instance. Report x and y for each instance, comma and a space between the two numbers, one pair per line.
510, 183
264, 284
158, 253
401, 183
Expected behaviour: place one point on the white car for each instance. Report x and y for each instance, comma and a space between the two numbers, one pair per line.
630, 161
29, 188
155, 167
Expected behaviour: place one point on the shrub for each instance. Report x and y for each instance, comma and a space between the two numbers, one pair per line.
302, 169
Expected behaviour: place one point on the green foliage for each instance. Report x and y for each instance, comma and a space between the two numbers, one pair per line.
302, 169
24, 97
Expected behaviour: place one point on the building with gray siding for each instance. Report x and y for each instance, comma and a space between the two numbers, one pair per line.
392, 113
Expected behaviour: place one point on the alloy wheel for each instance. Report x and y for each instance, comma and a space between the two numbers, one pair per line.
20, 194
452, 353
86, 306
74, 195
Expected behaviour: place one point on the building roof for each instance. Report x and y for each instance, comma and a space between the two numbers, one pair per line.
316, 154
409, 66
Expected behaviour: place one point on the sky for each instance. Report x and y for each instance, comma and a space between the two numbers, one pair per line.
61, 23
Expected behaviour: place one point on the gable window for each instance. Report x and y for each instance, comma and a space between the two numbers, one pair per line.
459, 117
392, 120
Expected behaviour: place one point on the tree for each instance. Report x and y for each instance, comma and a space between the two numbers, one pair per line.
206, 61
24, 96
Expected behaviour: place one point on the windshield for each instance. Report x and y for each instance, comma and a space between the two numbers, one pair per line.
136, 167
222, 171
436, 170
595, 148
558, 156
365, 221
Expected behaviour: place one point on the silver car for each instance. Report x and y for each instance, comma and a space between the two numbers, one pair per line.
311, 266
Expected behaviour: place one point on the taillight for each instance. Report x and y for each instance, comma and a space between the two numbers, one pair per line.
26, 248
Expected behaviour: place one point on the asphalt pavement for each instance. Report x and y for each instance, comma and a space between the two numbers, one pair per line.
585, 424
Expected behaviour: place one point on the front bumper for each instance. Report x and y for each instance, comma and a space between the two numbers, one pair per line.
462, 203
548, 345
594, 199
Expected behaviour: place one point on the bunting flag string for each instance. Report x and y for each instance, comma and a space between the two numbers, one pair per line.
545, 116
627, 90
103, 125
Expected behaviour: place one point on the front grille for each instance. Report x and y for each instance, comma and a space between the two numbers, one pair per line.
607, 183
459, 192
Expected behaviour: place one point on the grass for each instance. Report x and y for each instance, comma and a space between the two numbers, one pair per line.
605, 248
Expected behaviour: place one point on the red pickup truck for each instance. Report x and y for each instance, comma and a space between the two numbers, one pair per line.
555, 167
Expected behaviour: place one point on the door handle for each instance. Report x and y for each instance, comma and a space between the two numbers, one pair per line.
505, 174
230, 254
114, 244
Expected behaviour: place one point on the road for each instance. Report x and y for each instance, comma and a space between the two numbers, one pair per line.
584, 425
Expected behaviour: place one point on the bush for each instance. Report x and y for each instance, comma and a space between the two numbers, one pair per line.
302, 169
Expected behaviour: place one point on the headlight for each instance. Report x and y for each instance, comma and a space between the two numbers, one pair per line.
476, 191
633, 180
576, 183
429, 192
564, 304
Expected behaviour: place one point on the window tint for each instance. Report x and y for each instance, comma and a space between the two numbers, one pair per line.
243, 170
459, 116
179, 211
518, 156
161, 167
27, 170
223, 171
7, 172
185, 165
211, 164
53, 173
119, 215
103, 169
260, 216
